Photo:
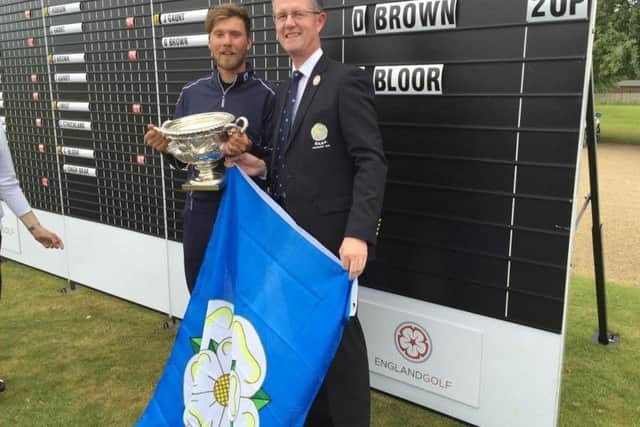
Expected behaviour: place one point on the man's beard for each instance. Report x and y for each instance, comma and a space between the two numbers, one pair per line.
230, 63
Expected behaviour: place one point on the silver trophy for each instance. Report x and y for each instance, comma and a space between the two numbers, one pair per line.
197, 140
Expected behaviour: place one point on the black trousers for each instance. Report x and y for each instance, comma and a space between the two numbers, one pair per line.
198, 219
344, 399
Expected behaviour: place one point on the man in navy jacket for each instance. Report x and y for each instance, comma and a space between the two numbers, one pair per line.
235, 88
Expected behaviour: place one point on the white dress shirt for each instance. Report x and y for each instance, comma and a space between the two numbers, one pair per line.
306, 69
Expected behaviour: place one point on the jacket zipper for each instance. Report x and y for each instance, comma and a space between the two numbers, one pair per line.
224, 91
224, 94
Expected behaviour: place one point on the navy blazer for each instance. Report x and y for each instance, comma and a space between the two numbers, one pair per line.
335, 165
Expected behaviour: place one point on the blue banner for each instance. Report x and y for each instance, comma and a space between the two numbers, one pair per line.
262, 326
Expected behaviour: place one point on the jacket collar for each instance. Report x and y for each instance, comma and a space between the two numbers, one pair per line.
242, 77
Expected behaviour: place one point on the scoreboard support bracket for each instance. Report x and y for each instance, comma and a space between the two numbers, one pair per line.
71, 287
171, 323
602, 336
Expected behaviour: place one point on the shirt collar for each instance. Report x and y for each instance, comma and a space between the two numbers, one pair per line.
307, 68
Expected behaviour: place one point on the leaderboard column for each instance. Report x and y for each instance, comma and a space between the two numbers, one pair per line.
71, 108
182, 56
121, 88
25, 102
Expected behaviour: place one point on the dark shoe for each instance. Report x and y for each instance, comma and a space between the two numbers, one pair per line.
1, 386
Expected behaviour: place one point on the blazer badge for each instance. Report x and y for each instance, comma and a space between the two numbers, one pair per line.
319, 132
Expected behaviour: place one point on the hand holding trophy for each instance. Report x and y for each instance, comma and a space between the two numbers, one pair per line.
199, 139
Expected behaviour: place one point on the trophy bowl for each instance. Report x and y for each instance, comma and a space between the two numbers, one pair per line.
198, 139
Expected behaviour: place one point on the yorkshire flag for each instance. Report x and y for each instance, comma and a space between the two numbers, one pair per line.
262, 326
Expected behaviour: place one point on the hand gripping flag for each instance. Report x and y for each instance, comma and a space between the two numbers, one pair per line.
262, 326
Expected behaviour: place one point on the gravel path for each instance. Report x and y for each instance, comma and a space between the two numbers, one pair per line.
619, 176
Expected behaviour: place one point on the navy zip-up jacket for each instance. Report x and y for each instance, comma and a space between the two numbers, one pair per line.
248, 96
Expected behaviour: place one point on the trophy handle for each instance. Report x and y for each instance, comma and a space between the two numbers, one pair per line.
236, 125
159, 128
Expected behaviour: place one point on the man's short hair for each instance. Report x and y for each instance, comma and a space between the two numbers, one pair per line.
226, 11
317, 5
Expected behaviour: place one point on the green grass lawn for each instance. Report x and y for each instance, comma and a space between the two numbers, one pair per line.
88, 359
601, 384
619, 123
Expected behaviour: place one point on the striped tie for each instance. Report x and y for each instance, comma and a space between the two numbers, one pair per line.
279, 184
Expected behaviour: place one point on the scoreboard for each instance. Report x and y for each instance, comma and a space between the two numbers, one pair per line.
481, 104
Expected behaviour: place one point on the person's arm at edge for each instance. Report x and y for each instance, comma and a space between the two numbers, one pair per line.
13, 196
47, 238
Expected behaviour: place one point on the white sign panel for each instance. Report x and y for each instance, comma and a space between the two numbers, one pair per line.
416, 349
185, 41
70, 78
62, 9
0, 96
79, 170
72, 106
74, 124
183, 17
10, 231
408, 79
556, 10
517, 370
1, 104
78, 152
66, 29
72, 58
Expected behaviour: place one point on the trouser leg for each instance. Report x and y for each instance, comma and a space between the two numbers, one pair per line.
344, 397
197, 227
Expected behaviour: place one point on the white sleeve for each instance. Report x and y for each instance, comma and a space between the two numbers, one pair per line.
10, 190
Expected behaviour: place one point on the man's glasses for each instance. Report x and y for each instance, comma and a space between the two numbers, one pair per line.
296, 15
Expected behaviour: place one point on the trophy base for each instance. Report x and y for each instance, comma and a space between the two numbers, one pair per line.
202, 186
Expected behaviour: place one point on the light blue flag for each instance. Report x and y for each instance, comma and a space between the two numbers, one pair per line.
262, 326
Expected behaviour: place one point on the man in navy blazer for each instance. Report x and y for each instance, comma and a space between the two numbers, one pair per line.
328, 172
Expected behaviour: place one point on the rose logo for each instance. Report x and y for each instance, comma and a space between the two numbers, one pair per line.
413, 342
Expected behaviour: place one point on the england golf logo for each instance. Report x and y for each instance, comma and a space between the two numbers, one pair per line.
413, 342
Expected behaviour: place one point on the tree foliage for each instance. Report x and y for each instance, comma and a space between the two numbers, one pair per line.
616, 48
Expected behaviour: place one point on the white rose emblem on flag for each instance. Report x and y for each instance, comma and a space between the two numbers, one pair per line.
223, 380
